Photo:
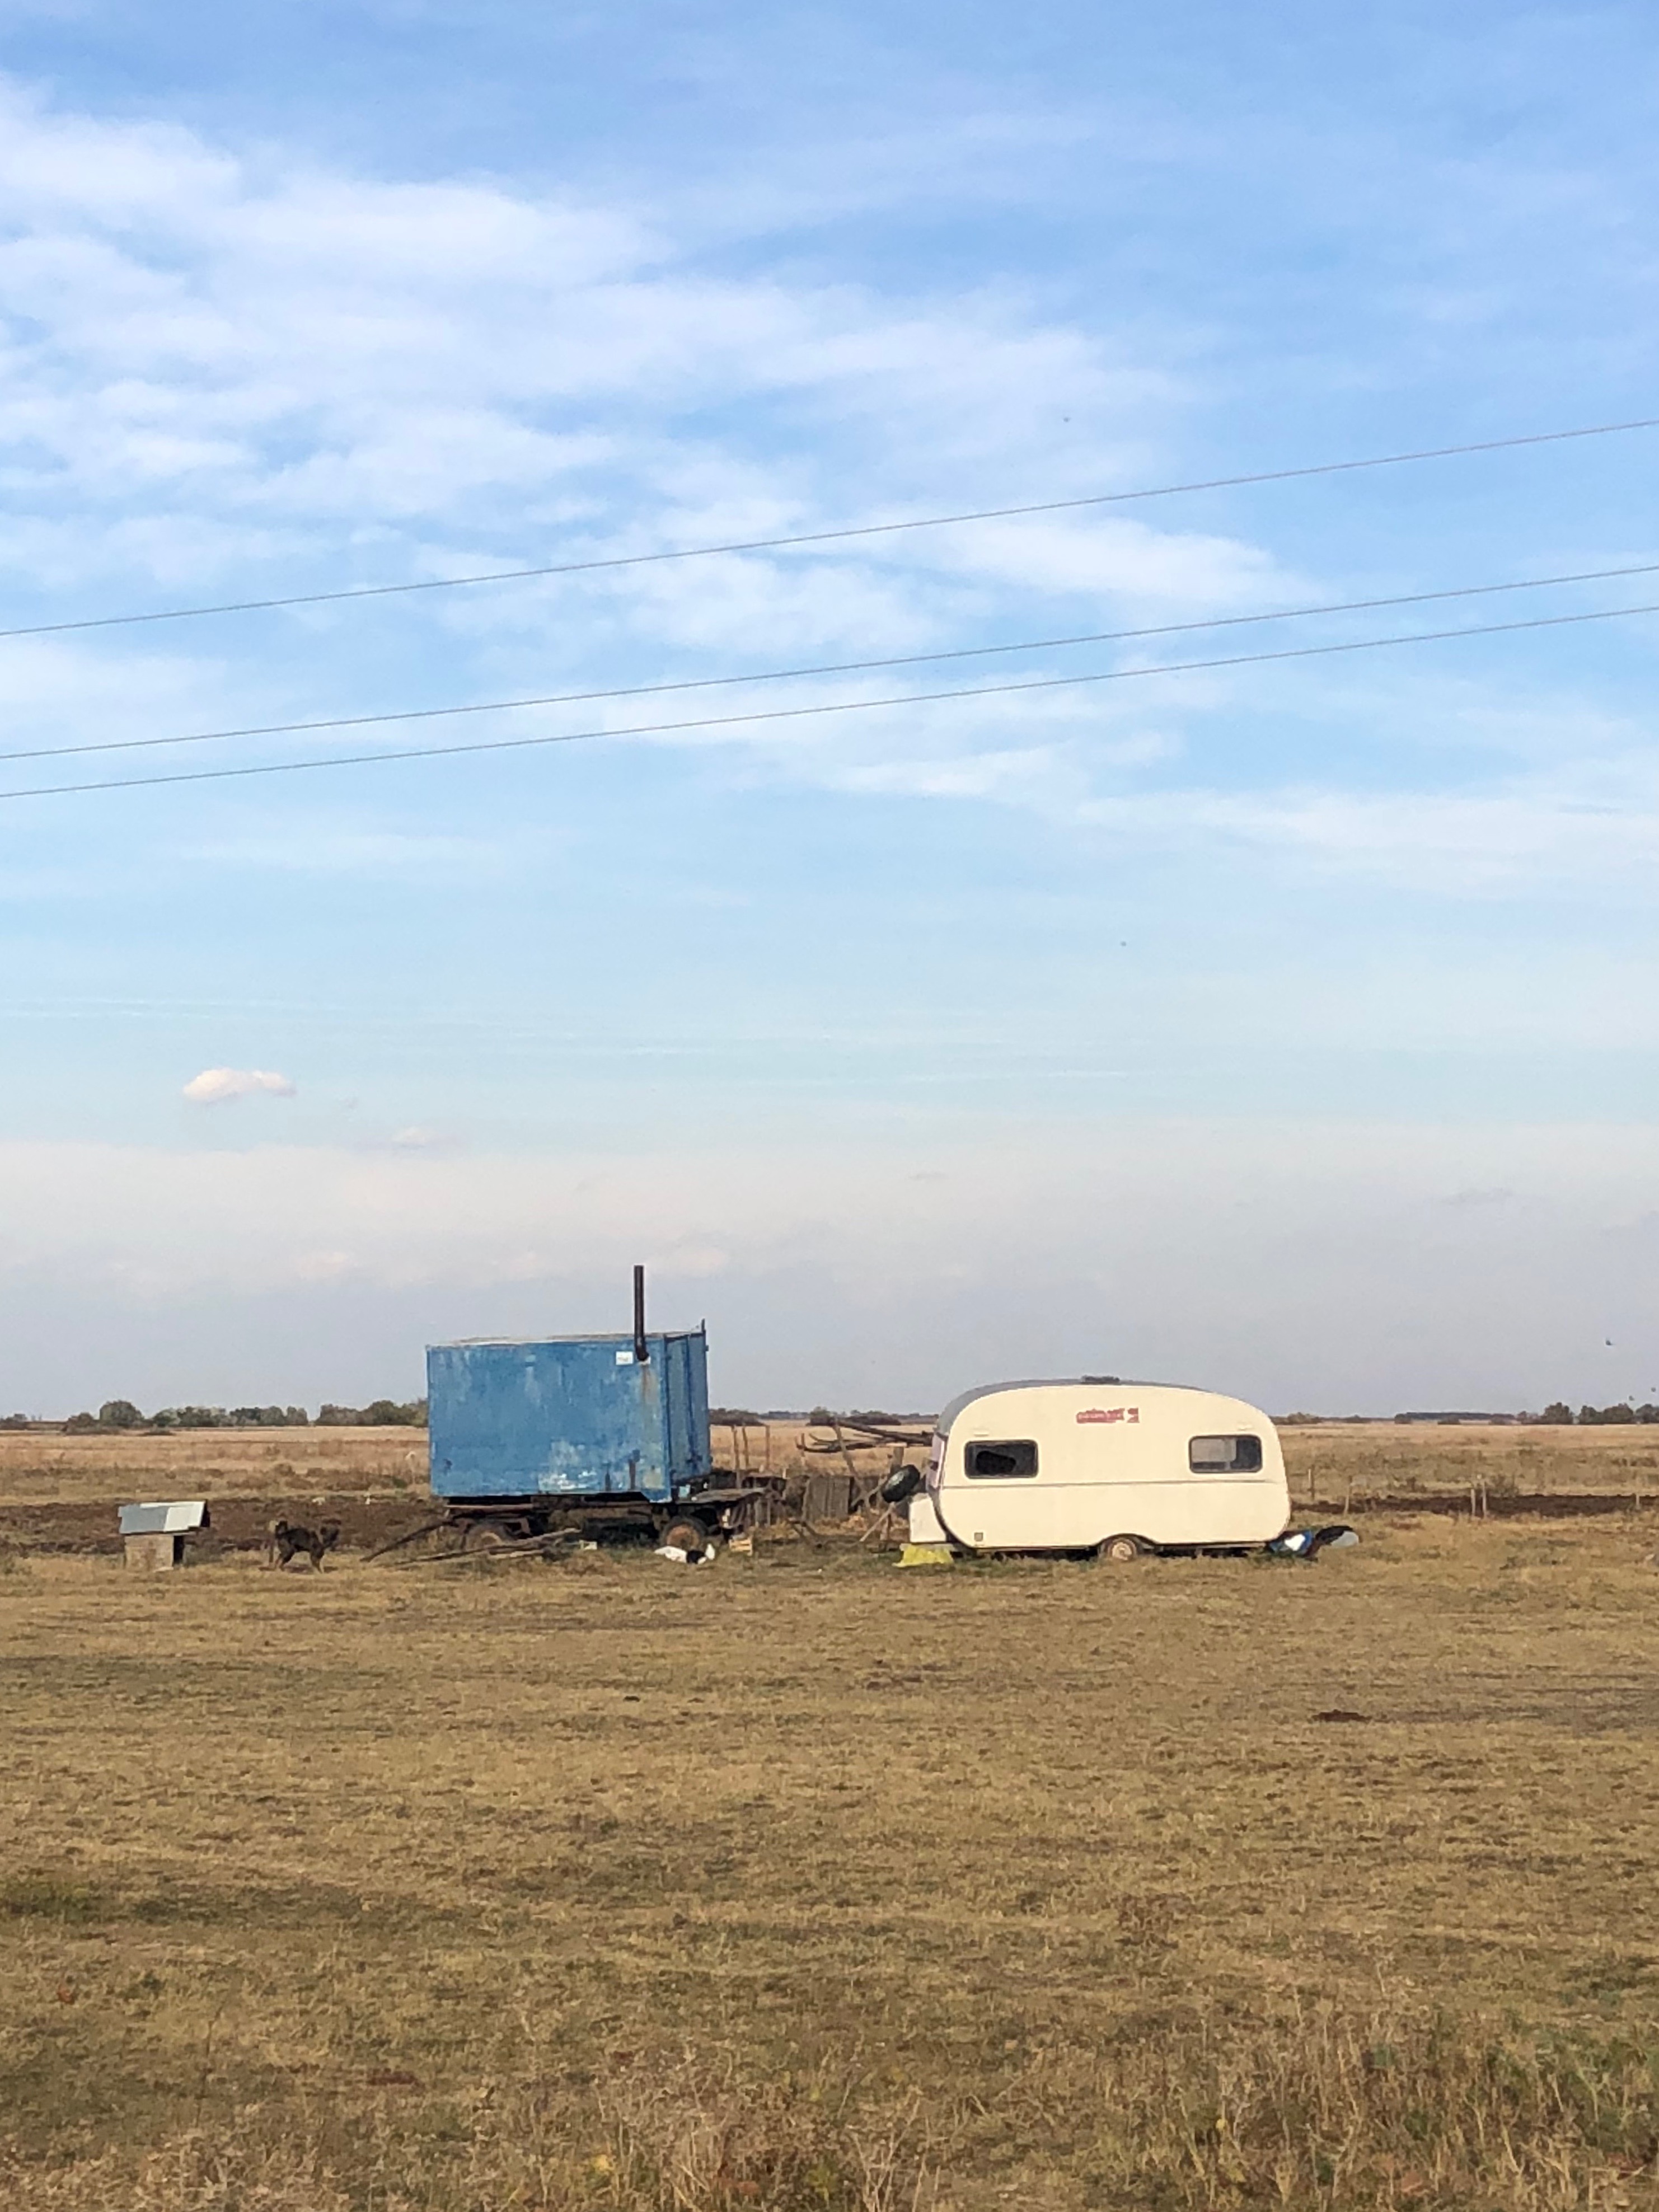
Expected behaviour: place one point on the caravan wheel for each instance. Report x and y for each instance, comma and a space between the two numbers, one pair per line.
1116, 1549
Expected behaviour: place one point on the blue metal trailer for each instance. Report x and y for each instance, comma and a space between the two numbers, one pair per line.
528, 1436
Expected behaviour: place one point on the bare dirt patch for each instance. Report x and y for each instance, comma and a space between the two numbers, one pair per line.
238, 1524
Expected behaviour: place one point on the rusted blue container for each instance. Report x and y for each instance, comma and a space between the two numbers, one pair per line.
569, 1417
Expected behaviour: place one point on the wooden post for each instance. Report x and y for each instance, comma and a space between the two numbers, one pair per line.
847, 1462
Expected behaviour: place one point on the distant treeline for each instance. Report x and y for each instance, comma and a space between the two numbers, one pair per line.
1591, 1417
1557, 1415
743, 1417
119, 1416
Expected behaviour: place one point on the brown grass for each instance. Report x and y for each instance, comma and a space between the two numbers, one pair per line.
48, 1468
1339, 1463
51, 1469
802, 1881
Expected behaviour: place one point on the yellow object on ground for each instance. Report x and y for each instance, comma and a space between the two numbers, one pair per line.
926, 1555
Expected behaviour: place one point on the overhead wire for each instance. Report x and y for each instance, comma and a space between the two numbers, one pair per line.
829, 668
819, 708
837, 536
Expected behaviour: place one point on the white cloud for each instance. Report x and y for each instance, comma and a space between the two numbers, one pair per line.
223, 369
222, 1086
965, 775
1123, 559
284, 345
1385, 1264
1467, 841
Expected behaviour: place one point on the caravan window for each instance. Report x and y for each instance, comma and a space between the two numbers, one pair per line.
998, 1462
1224, 1455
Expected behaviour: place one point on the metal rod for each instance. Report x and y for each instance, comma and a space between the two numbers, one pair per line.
641, 1350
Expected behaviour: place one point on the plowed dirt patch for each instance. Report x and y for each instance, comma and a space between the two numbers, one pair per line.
238, 1524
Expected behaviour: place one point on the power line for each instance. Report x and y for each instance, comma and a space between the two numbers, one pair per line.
832, 537
831, 707
823, 668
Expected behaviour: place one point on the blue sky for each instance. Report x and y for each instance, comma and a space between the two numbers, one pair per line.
1291, 1027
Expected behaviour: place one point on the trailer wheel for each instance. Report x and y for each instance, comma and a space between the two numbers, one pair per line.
686, 1532
1117, 1549
486, 1535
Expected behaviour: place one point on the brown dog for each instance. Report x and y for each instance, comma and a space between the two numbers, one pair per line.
288, 1540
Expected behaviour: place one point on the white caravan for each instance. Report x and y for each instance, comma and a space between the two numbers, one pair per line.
1116, 1468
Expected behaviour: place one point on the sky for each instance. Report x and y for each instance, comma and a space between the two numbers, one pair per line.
1287, 1028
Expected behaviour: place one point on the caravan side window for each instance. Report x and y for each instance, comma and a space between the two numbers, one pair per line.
1224, 1455
998, 1462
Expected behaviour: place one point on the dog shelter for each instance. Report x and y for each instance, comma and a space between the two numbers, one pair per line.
152, 1536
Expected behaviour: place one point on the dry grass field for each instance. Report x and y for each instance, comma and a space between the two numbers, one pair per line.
799, 1882
1338, 1461
51, 1469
